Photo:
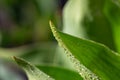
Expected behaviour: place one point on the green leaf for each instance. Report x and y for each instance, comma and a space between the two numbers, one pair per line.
33, 72
97, 25
87, 19
60, 73
112, 12
93, 60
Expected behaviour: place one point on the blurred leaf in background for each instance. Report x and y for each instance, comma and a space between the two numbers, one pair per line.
27, 21
24, 31
24, 23
112, 12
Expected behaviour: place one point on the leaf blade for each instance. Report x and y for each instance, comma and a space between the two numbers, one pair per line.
80, 48
62, 74
33, 72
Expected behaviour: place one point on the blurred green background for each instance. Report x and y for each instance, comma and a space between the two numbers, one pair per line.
25, 32
26, 21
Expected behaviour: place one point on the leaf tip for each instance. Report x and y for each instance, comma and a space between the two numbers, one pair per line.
14, 58
20, 61
50, 22
52, 26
